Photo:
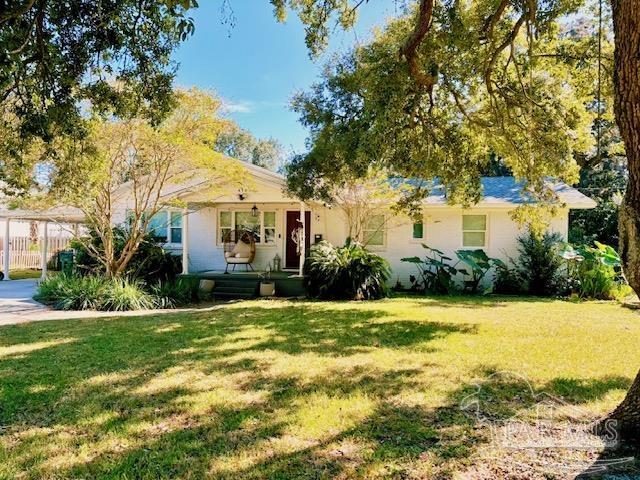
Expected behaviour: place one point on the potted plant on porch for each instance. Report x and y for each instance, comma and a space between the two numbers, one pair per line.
267, 286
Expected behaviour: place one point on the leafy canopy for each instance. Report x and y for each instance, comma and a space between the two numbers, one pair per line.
520, 86
57, 58
133, 166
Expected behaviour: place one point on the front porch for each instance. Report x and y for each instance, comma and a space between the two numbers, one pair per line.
247, 284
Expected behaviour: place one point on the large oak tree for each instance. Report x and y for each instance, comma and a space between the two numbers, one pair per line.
481, 57
447, 78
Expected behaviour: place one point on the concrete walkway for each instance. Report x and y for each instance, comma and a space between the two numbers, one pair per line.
16, 301
17, 306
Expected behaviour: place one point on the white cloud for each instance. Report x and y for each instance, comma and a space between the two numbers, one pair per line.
230, 106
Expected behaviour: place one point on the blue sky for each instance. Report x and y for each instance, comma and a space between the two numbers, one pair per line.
257, 64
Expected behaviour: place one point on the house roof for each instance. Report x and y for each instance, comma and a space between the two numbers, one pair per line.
507, 191
59, 214
496, 191
56, 214
265, 173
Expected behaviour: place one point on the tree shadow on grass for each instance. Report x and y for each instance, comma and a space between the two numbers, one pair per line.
221, 394
394, 439
542, 430
474, 301
149, 391
256, 442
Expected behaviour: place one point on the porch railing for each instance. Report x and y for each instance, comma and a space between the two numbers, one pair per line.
24, 254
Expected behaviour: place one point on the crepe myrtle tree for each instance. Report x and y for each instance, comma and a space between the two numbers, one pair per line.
369, 204
447, 83
132, 166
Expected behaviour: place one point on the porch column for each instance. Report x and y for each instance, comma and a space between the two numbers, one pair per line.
6, 260
43, 249
303, 240
185, 242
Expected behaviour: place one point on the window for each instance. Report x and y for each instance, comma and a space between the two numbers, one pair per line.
418, 231
269, 227
374, 231
166, 226
474, 231
262, 226
157, 226
225, 225
246, 221
176, 227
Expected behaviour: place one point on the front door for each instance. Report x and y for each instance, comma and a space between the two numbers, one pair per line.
293, 223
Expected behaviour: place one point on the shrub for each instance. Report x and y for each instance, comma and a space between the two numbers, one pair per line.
348, 272
90, 292
479, 264
151, 263
436, 275
71, 292
507, 281
53, 264
594, 272
172, 294
538, 263
122, 294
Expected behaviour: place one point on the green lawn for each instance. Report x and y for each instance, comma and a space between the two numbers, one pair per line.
22, 273
282, 389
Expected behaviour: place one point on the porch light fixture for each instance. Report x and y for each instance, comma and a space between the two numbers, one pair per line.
254, 211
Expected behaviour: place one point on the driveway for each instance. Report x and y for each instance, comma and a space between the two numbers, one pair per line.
18, 306
16, 302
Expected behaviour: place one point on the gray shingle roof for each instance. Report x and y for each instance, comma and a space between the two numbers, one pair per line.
506, 191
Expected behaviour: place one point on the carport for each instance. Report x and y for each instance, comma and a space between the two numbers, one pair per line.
62, 216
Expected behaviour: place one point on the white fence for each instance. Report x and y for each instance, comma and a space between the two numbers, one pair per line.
24, 254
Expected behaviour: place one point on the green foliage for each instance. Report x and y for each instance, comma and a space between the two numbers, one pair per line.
367, 110
176, 293
99, 172
94, 292
316, 17
538, 263
594, 272
604, 183
58, 57
508, 281
350, 272
150, 263
73, 293
436, 274
123, 294
240, 144
479, 264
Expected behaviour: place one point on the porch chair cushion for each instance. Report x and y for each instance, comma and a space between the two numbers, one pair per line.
241, 253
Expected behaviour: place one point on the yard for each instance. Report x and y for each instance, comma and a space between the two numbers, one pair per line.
286, 389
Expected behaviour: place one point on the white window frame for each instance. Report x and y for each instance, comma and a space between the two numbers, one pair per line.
168, 211
383, 245
485, 231
262, 227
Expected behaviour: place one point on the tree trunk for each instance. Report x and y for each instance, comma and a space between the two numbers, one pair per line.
626, 24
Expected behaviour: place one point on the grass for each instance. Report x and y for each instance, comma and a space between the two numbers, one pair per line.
24, 273
282, 389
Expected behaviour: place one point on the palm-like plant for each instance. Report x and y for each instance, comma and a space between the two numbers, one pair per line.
349, 272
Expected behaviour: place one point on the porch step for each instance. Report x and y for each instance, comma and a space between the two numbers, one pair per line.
236, 288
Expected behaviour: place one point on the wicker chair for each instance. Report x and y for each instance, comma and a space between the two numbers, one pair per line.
239, 249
